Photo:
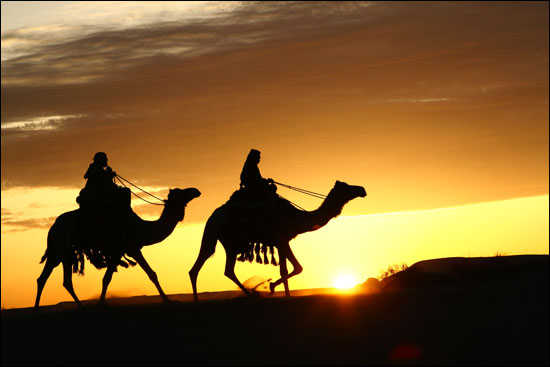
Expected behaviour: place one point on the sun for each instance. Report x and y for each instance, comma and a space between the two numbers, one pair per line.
345, 281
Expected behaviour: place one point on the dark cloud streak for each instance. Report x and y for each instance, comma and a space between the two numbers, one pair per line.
20, 225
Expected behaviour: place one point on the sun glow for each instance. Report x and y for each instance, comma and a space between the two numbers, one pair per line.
345, 281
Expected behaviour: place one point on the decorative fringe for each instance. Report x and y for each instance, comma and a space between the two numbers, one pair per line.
264, 250
248, 254
78, 265
273, 261
130, 262
255, 250
98, 258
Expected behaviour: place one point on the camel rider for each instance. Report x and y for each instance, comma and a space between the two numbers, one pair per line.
100, 187
252, 182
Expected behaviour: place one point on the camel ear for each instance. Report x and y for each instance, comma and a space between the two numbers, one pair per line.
337, 183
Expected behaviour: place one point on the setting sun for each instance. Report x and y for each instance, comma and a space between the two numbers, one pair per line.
345, 281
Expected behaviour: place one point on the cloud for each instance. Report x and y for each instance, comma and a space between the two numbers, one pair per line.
37, 123
6, 212
99, 55
15, 225
76, 54
420, 100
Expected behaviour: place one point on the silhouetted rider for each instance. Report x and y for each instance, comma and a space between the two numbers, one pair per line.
100, 176
100, 187
252, 181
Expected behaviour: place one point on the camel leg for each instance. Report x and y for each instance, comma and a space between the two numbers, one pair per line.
68, 280
297, 268
283, 270
138, 256
285, 281
41, 281
230, 271
208, 246
106, 280
286, 253
284, 273
194, 272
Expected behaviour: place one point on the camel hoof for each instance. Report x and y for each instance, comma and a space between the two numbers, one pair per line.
272, 287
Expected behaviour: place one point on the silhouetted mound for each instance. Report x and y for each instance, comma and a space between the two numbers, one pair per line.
521, 269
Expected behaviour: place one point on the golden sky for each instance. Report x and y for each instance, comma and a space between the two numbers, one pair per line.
427, 105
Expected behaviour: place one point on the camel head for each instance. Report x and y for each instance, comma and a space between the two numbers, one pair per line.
178, 199
347, 192
183, 197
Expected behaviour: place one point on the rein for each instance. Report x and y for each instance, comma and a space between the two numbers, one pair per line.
307, 192
120, 178
296, 205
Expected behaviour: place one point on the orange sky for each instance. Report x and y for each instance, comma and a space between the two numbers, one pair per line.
427, 105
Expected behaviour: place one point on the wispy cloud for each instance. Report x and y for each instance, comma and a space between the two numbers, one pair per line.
37, 123
14, 225
75, 20
18, 220
63, 54
420, 100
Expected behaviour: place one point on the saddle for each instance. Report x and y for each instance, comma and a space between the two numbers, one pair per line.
255, 216
251, 209
100, 216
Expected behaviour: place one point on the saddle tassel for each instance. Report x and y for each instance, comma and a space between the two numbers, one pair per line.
272, 250
264, 250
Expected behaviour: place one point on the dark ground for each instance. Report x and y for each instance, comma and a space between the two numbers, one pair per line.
484, 324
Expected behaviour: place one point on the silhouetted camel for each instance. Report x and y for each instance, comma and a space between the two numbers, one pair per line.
287, 223
132, 234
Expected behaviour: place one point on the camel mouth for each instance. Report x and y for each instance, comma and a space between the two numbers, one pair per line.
192, 193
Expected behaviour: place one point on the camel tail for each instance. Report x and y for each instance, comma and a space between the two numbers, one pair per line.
44, 257
54, 235
48, 246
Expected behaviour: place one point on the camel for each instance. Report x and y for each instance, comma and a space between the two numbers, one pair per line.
287, 222
132, 233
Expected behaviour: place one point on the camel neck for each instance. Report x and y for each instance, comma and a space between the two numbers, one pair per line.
330, 208
157, 231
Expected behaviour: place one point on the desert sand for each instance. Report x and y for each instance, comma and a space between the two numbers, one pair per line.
454, 311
